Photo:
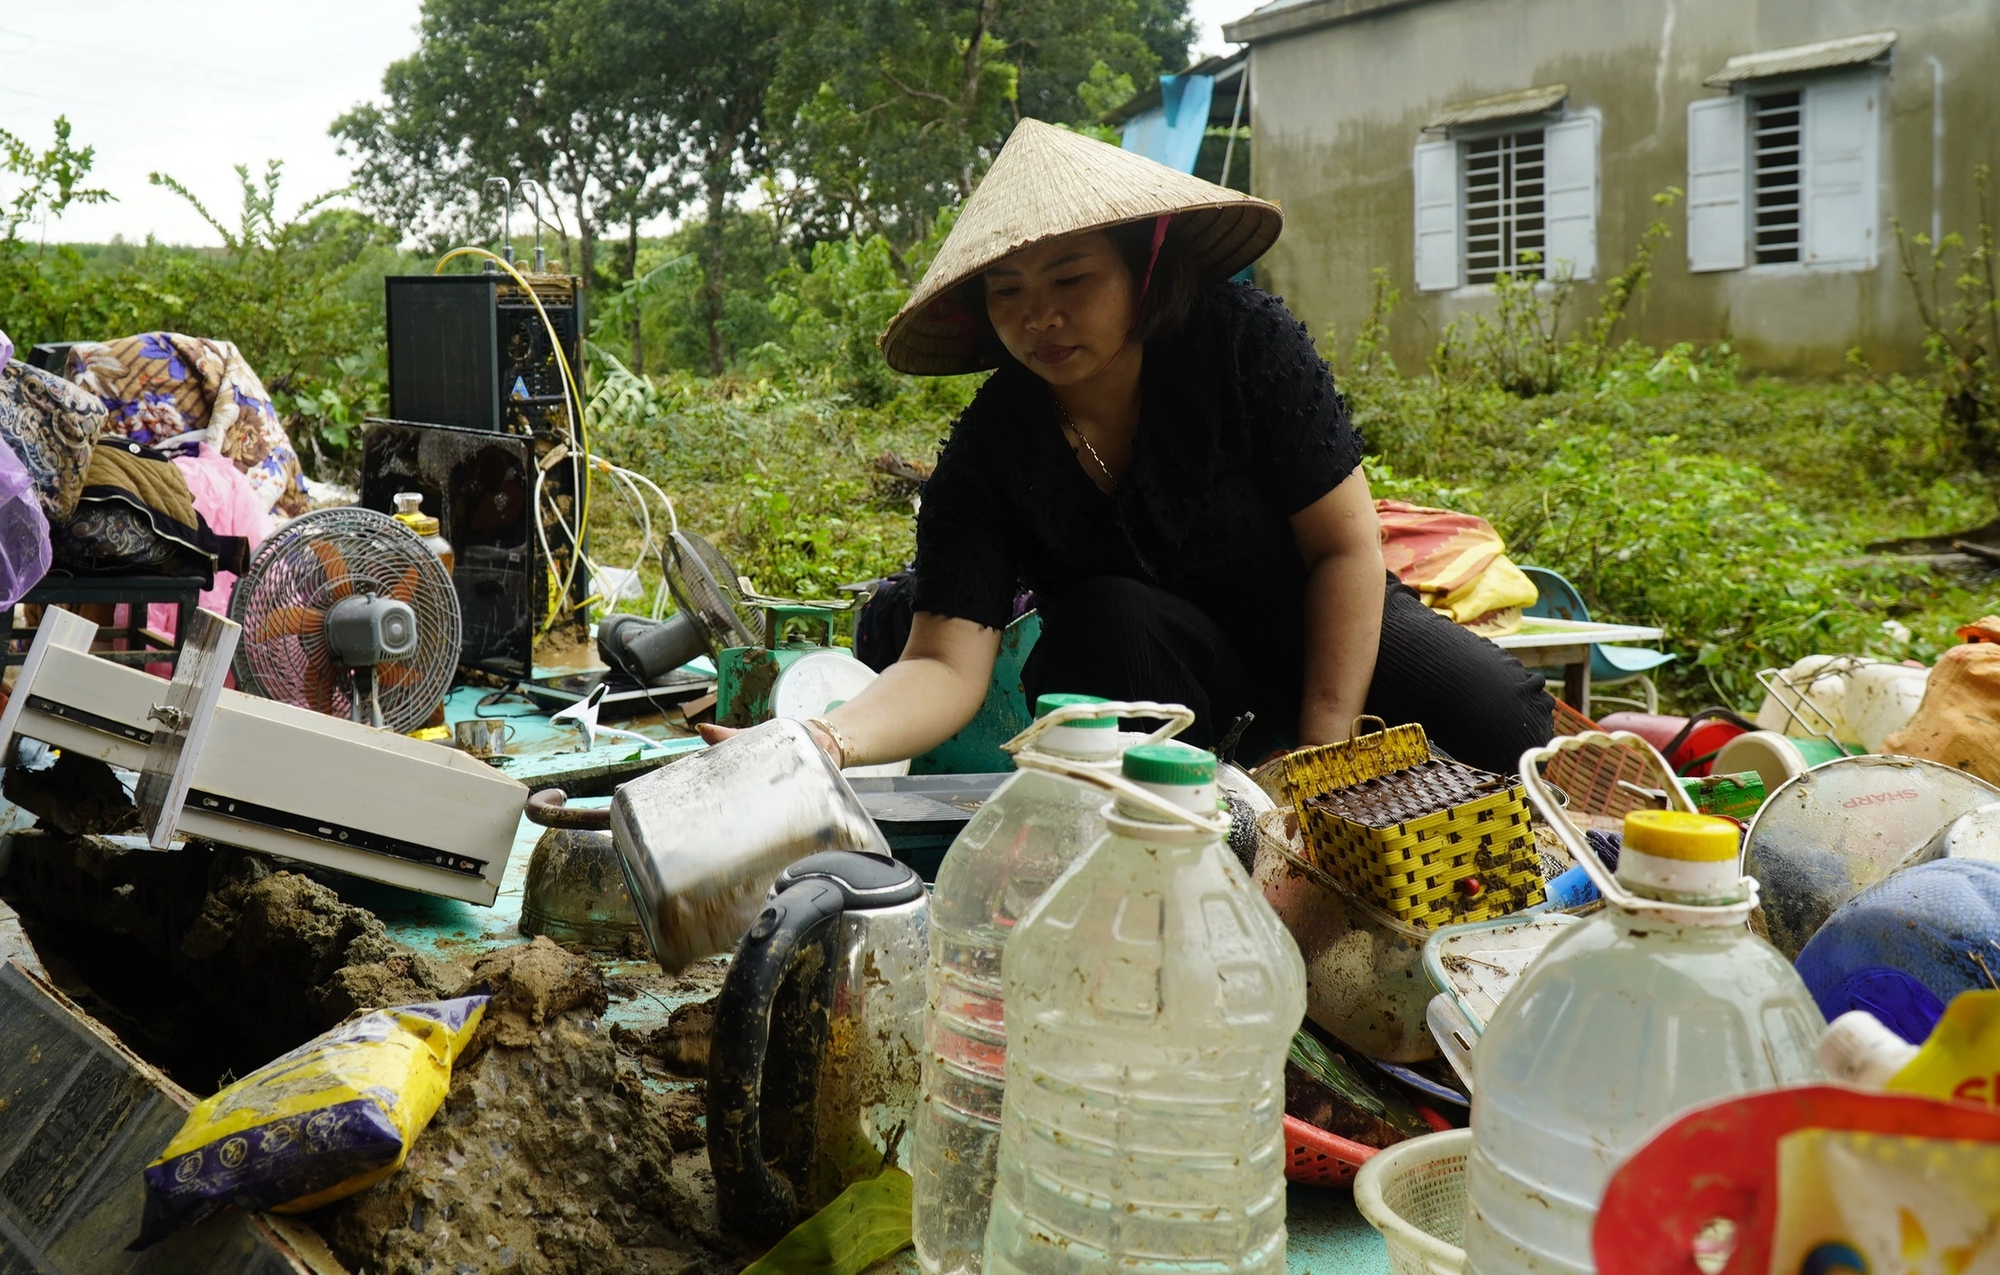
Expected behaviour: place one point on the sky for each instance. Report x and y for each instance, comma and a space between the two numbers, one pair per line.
196, 87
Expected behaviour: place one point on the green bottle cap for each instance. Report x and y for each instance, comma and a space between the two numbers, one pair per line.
1046, 704
1169, 763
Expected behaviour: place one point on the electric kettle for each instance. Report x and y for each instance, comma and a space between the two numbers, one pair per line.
813, 1060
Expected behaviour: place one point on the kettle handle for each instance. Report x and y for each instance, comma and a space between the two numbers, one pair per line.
547, 808
750, 1195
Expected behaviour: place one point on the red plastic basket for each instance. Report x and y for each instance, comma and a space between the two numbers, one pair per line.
1314, 1157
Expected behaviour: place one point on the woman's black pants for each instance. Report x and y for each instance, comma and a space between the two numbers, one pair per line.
1124, 639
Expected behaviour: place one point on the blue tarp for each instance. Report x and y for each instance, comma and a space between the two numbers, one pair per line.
1171, 132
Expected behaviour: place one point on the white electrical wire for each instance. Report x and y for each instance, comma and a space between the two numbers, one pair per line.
627, 482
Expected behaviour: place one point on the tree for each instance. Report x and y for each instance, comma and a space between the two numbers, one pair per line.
726, 53
884, 111
567, 92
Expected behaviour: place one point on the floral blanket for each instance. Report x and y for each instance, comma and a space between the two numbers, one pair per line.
159, 385
51, 425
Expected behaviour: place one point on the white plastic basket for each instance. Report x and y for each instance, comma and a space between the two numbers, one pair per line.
1414, 1193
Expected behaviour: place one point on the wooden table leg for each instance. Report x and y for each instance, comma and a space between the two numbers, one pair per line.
1576, 687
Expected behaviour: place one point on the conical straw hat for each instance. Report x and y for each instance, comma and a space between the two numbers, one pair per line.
1048, 182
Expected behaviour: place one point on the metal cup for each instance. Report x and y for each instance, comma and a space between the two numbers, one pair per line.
483, 737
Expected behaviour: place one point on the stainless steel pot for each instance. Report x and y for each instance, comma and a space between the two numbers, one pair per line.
576, 891
702, 839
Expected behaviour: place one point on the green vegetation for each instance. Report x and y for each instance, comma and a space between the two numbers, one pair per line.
733, 360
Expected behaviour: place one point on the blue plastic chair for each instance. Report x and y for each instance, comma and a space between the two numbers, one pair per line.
1609, 665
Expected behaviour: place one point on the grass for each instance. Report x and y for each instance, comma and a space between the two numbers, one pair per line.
1732, 513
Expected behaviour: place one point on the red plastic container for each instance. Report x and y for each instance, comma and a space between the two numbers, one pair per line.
1314, 1157
1659, 729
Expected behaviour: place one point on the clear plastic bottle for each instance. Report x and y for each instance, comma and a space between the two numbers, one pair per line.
1151, 997
1028, 832
1624, 1022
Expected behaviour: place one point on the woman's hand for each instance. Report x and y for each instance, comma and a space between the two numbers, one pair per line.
920, 701
1341, 541
712, 734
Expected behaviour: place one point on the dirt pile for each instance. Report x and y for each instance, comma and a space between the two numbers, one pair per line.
75, 795
209, 942
554, 1154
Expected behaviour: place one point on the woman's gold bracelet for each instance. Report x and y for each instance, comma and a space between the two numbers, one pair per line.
842, 748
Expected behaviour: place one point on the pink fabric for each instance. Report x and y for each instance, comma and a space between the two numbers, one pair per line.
225, 499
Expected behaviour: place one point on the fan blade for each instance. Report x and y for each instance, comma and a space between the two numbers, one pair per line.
393, 676
288, 622
335, 567
318, 687
405, 589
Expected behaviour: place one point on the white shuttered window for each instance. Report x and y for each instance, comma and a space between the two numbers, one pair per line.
1484, 203
1842, 125
1571, 220
1435, 168
1715, 184
1785, 175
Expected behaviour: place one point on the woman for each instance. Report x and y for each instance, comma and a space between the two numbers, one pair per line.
1163, 458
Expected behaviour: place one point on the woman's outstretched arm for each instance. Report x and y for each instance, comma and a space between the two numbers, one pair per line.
921, 700
1341, 541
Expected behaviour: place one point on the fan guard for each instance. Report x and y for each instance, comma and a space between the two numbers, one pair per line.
704, 586
304, 568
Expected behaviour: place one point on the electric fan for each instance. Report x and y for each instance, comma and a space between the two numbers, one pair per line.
345, 611
712, 613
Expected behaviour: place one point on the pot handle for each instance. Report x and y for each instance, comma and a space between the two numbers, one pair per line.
755, 1120
547, 809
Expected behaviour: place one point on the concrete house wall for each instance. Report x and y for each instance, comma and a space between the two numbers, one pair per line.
1341, 90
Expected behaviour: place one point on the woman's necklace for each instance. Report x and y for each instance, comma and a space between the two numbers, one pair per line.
1070, 425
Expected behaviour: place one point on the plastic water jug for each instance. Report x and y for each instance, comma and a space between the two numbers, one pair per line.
1025, 835
1151, 997
1663, 1001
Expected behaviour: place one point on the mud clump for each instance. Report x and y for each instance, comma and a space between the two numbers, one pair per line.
267, 958
681, 1047
530, 984
76, 795
553, 1154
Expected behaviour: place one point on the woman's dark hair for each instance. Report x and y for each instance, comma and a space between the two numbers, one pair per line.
1162, 310
1170, 291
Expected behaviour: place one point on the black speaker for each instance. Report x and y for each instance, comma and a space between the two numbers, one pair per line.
480, 487
477, 405
471, 351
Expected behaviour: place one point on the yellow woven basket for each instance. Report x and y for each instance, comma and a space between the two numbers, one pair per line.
1471, 860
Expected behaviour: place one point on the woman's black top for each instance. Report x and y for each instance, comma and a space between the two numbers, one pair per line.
1240, 427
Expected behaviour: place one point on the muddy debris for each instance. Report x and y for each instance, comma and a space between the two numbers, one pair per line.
680, 1047
530, 984
553, 1154
265, 957
76, 795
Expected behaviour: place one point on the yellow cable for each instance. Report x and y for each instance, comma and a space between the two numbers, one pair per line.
579, 432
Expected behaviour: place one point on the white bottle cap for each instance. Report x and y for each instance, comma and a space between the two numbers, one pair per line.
1086, 739
1177, 772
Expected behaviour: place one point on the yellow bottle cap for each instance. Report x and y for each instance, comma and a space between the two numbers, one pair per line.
1671, 834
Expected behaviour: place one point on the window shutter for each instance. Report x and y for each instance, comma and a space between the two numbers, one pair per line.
1716, 227
1842, 126
1435, 168
1570, 154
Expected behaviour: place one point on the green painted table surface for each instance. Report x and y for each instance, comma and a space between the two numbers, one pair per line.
542, 754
